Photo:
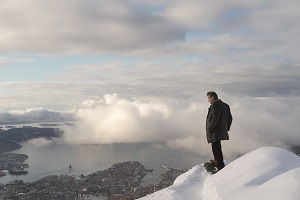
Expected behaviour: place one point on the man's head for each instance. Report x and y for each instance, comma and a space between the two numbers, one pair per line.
211, 96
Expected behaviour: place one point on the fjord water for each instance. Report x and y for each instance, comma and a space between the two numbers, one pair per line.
54, 159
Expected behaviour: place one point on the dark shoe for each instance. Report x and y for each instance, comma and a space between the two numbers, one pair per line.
210, 167
214, 162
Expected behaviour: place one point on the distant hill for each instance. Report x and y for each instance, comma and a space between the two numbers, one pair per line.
7, 146
8, 138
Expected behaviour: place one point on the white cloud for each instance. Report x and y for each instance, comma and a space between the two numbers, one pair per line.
81, 27
39, 142
181, 123
193, 14
98, 26
117, 120
7, 60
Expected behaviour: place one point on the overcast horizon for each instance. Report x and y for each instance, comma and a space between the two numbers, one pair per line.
132, 71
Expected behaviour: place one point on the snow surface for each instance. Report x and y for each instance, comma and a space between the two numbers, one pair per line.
265, 173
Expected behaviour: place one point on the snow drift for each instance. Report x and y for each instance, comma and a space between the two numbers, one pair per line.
265, 173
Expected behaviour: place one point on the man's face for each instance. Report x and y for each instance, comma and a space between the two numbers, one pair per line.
210, 99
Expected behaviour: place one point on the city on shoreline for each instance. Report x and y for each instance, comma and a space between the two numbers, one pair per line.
120, 181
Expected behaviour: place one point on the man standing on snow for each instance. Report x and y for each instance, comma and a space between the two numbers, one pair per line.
218, 122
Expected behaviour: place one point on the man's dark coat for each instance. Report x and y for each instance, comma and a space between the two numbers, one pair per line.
218, 121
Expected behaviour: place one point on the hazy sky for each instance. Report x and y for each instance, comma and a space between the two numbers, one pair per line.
61, 56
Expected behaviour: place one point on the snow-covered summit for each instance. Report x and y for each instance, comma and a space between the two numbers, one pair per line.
265, 173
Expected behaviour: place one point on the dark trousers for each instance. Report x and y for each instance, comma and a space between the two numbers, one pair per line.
218, 155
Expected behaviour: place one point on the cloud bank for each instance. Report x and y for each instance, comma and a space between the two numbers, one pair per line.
75, 27
181, 124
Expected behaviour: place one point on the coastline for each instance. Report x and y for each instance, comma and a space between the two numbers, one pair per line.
121, 180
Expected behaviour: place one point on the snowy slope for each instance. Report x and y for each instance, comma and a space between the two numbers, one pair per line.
265, 173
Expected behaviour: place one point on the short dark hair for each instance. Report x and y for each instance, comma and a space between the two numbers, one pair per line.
212, 94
